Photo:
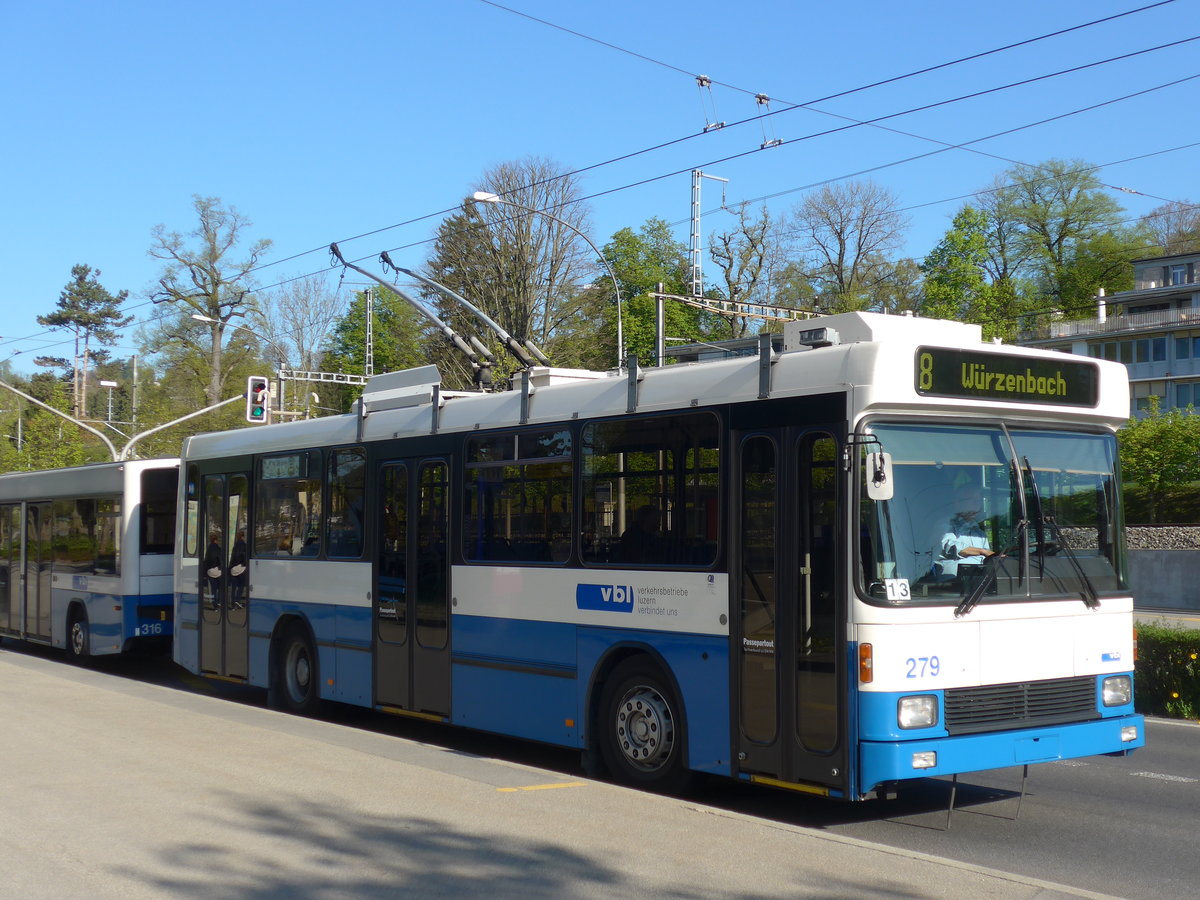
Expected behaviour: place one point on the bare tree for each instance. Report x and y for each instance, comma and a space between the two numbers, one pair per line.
526, 270
203, 278
297, 318
746, 255
848, 231
1175, 227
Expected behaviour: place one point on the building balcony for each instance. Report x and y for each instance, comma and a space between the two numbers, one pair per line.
1131, 323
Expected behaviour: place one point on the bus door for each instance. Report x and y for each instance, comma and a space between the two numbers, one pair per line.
10, 567
224, 577
38, 566
790, 649
411, 596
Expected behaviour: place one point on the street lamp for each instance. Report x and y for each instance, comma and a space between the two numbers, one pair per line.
211, 321
489, 197
282, 355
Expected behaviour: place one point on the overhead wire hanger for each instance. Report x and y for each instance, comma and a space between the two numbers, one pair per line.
711, 123
766, 122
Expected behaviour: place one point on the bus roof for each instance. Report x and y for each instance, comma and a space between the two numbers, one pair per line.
872, 359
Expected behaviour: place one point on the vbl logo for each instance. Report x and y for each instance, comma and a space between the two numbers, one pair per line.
610, 597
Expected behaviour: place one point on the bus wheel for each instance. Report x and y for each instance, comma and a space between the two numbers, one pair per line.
77, 635
641, 732
297, 673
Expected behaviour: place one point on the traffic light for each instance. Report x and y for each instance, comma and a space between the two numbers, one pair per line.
258, 399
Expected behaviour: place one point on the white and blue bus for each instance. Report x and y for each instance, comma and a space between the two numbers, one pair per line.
86, 555
754, 567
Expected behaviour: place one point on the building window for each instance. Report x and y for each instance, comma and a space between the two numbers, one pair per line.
1158, 349
1187, 347
1178, 274
1187, 395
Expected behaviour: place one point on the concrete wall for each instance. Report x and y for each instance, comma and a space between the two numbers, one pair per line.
1165, 579
1164, 566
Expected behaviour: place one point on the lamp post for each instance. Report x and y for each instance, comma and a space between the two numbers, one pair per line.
489, 197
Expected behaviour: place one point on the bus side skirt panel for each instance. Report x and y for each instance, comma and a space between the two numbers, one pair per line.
516, 677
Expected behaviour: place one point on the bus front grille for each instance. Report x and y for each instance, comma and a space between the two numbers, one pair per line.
996, 707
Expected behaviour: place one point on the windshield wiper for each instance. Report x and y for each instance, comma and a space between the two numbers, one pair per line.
991, 567
1087, 592
1039, 534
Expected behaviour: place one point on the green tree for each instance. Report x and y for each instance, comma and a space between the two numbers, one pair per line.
1100, 261
1160, 451
46, 441
957, 283
401, 341
642, 260
1051, 211
92, 316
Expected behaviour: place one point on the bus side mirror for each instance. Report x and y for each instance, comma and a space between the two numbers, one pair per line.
879, 475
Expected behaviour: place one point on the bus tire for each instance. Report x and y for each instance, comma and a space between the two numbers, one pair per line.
296, 676
78, 645
641, 732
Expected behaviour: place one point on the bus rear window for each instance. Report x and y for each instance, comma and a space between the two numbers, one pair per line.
158, 510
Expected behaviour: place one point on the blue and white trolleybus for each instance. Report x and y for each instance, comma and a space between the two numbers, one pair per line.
879, 550
86, 555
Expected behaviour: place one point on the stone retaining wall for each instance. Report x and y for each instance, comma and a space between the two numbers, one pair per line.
1162, 537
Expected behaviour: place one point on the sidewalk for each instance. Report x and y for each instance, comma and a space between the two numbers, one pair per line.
115, 788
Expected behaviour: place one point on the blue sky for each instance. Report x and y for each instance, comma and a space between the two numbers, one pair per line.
324, 121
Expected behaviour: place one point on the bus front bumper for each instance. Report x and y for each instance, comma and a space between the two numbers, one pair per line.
882, 761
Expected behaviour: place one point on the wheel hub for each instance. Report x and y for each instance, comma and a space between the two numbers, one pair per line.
645, 728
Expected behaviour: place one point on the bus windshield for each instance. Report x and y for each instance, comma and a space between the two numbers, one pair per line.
1031, 513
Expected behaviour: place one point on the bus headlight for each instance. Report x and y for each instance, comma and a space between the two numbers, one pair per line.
1117, 690
920, 711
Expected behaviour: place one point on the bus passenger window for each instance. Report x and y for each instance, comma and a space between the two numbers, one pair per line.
287, 519
517, 497
651, 491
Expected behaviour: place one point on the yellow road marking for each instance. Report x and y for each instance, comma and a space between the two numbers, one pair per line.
542, 787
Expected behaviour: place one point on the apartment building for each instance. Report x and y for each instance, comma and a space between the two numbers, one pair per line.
1153, 329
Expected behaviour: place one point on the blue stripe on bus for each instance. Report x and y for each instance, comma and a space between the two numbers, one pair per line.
522, 678
531, 680
114, 620
343, 639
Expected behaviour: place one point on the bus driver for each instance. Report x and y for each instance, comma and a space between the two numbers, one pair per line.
966, 542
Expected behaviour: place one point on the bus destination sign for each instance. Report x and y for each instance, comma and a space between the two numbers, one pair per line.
942, 372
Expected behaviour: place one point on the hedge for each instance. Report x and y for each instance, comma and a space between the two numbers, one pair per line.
1178, 505
1168, 671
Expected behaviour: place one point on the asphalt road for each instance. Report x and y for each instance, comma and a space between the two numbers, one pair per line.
1113, 826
